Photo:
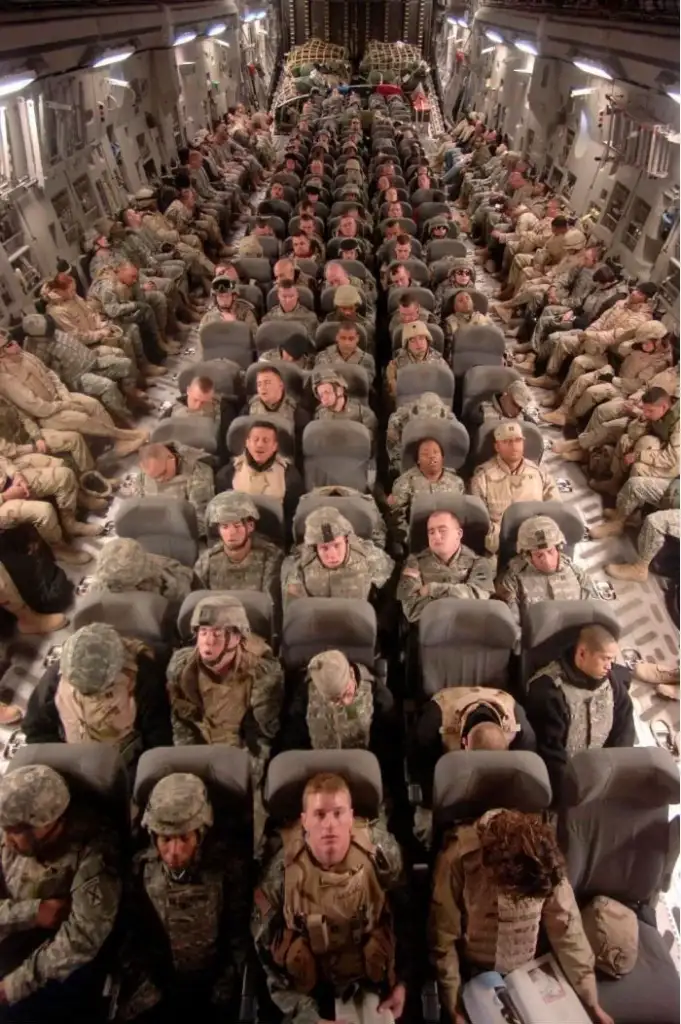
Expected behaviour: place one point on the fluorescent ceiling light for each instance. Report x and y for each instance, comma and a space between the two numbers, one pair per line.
675, 96
15, 83
113, 57
462, 22
592, 69
494, 37
184, 38
186, 63
452, 20
217, 30
254, 16
526, 47
488, 49
524, 71
581, 92
119, 81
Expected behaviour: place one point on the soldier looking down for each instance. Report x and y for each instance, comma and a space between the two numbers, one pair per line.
124, 565
179, 472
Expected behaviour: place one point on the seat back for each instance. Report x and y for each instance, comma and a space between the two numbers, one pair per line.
258, 608
271, 522
255, 268
162, 527
315, 624
356, 379
252, 293
436, 334
227, 341
198, 432
470, 512
567, 516
465, 643
225, 374
355, 509
441, 247
325, 335
304, 294
354, 268
426, 211
450, 435
423, 296
480, 383
271, 247
614, 823
277, 224
275, 333
289, 772
294, 226
141, 615
336, 452
406, 210
480, 301
468, 783
426, 195
550, 628
484, 442
239, 428
417, 378
294, 378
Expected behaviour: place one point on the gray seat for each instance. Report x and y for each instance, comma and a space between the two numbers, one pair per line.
356, 510
450, 435
355, 377
276, 223
227, 341
309, 267
619, 842
294, 378
315, 624
294, 226
468, 783
465, 643
289, 772
480, 345
420, 274
271, 521
258, 607
327, 306
336, 452
423, 296
440, 270
304, 294
141, 615
353, 267
225, 374
440, 247
567, 516
275, 333
484, 442
549, 628
480, 383
239, 428
271, 247
436, 333
426, 195
414, 380
252, 293
195, 431
406, 210
162, 527
325, 335
470, 512
255, 268
286, 178
480, 301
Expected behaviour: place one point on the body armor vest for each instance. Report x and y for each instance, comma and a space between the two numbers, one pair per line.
458, 703
224, 707
271, 482
590, 711
349, 580
189, 913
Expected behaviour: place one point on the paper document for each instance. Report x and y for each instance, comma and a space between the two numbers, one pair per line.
538, 993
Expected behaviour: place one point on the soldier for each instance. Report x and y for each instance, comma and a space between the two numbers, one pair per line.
51, 848
460, 277
261, 469
511, 860
428, 476
200, 399
580, 702
509, 477
336, 275
124, 565
515, 403
187, 911
334, 562
305, 970
229, 306
399, 276
271, 398
289, 308
416, 349
346, 309
242, 559
21, 435
188, 246
409, 311
428, 405
116, 291
463, 315
331, 391
445, 569
649, 446
346, 349
179, 472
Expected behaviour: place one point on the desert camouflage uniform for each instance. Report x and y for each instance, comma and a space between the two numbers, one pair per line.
19, 434
458, 321
242, 310
123, 565
47, 478
428, 405
80, 317
144, 251
331, 356
413, 482
366, 567
301, 314
129, 306
522, 585
492, 411
82, 869
188, 222
655, 446
405, 358
499, 488
193, 482
602, 335
259, 570
464, 576
187, 245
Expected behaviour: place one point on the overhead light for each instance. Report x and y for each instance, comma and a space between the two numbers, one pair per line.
217, 30
526, 47
462, 22
186, 63
15, 83
119, 81
221, 42
524, 71
113, 57
581, 92
592, 69
452, 20
494, 37
675, 96
184, 38
488, 49
254, 16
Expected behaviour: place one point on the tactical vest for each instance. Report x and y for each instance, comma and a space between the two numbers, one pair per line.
186, 460
340, 726
338, 921
349, 580
562, 585
590, 711
458, 703
271, 482
286, 408
224, 707
248, 574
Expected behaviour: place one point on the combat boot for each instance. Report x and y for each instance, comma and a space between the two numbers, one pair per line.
545, 381
649, 672
70, 556
126, 446
613, 528
94, 491
637, 572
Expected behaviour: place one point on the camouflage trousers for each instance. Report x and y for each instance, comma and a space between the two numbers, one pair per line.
581, 366
158, 301
46, 477
562, 345
210, 229
532, 294
521, 262
655, 530
196, 263
96, 385
71, 445
582, 390
542, 330
640, 491
614, 409
598, 434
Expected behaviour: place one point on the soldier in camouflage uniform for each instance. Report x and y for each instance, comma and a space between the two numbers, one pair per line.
379, 532
657, 526
416, 349
334, 562
428, 405
346, 305
228, 306
461, 276
185, 218
242, 559
21, 435
540, 571
61, 893
106, 689
336, 276
116, 291
445, 569
188, 246
123, 565
409, 311
179, 472
463, 315
361, 948
187, 911
331, 391
298, 349
271, 397
290, 309
347, 350
428, 476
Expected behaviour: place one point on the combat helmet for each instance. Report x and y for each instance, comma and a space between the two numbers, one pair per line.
92, 658
220, 612
34, 795
324, 525
429, 404
123, 564
231, 507
178, 804
538, 533
328, 376
346, 295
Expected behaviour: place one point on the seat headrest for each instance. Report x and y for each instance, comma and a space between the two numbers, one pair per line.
224, 373
640, 776
141, 615
455, 621
469, 782
470, 511
238, 429
314, 624
355, 509
289, 772
224, 769
322, 438
217, 331
196, 431
548, 619
136, 517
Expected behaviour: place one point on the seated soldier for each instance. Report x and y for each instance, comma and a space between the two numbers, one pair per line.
177, 471
61, 892
331, 391
445, 569
509, 477
460, 277
13, 604
272, 398
304, 248
298, 349
402, 250
349, 249
201, 399
347, 302
334, 562
261, 469
347, 350
228, 306
105, 689
506, 862
428, 476
242, 559
187, 912
399, 276
290, 308
580, 702
309, 880
515, 403
416, 349
540, 571
287, 269
657, 526
464, 314
409, 311
428, 405
124, 565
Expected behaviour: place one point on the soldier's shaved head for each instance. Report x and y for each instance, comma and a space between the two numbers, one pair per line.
596, 638
487, 736
595, 652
